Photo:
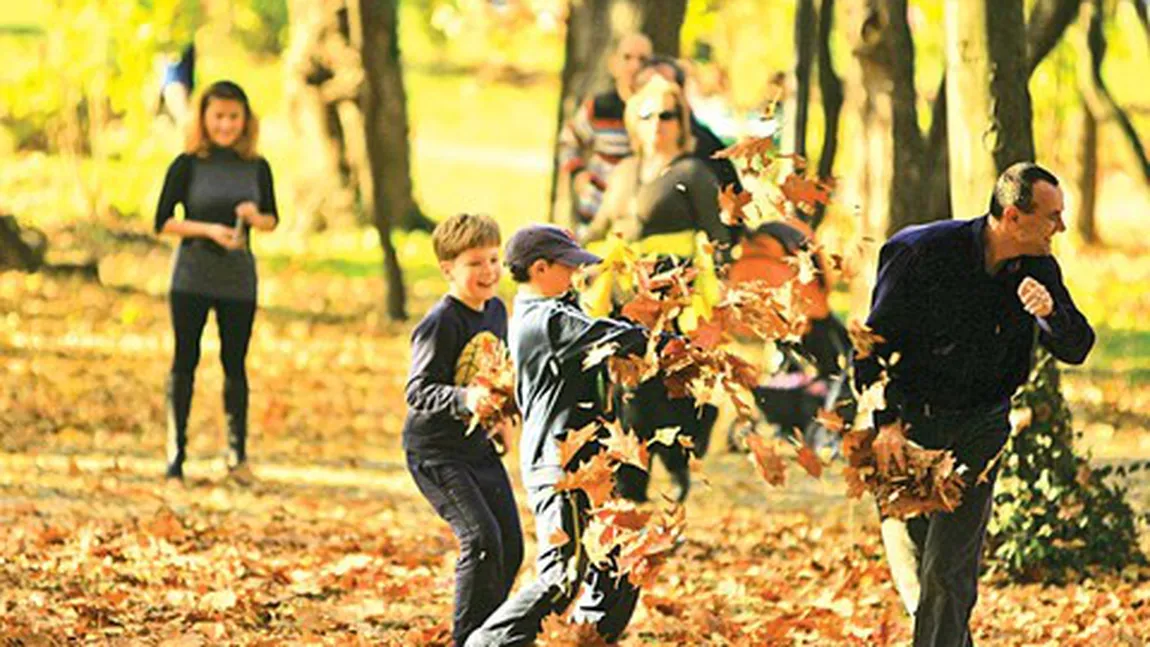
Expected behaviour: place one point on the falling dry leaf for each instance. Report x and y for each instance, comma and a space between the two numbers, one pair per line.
766, 460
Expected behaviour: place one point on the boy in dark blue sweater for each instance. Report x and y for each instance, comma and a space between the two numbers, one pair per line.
459, 471
550, 336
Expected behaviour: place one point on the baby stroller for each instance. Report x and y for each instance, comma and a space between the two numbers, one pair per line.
791, 397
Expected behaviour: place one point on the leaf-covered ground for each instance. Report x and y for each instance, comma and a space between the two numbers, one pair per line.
334, 545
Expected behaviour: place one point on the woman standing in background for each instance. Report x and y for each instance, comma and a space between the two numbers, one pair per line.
225, 188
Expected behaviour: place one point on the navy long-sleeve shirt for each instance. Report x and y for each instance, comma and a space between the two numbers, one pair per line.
549, 339
962, 336
437, 416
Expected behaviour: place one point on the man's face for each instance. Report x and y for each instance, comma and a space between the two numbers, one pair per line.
1034, 232
629, 59
649, 72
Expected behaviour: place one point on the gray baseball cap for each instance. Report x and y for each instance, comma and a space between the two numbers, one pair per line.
547, 242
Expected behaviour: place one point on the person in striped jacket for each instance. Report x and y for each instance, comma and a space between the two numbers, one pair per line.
594, 139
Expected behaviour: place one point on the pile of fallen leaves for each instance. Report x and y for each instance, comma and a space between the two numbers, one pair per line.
335, 543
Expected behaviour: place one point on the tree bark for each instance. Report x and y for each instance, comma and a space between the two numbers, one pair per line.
831, 91
384, 105
1098, 98
989, 108
20, 249
969, 119
1085, 222
805, 31
909, 148
1140, 8
324, 75
1049, 19
592, 28
662, 20
1009, 85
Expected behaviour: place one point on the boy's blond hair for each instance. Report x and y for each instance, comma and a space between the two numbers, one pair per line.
462, 232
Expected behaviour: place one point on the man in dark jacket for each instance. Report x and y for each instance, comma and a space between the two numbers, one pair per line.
961, 303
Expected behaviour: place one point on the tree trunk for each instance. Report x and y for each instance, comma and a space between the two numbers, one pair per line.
1140, 8
20, 249
831, 91
384, 105
906, 196
662, 20
1009, 84
805, 30
1098, 98
324, 74
1087, 178
989, 104
592, 28
1048, 21
968, 110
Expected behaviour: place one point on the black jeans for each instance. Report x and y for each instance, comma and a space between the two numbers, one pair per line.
606, 601
234, 318
948, 546
477, 500
644, 411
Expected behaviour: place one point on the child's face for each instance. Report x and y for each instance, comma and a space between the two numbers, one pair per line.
552, 278
474, 274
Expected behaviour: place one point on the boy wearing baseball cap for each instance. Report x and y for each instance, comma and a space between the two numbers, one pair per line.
549, 336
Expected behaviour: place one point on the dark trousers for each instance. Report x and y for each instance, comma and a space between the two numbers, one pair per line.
476, 499
606, 601
234, 318
948, 546
644, 411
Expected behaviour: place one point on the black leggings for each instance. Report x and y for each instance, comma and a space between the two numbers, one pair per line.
234, 318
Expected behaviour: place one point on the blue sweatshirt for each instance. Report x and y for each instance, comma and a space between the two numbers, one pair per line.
437, 418
549, 339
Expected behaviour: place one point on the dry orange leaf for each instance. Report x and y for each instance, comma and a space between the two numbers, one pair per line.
766, 460
595, 477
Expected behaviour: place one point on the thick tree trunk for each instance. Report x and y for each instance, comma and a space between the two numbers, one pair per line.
384, 105
873, 58
323, 78
989, 104
592, 28
662, 20
906, 205
969, 120
831, 90
1009, 87
1098, 98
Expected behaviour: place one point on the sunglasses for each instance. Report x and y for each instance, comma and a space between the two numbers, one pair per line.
666, 115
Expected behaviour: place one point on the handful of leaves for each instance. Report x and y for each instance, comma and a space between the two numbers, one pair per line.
495, 372
923, 481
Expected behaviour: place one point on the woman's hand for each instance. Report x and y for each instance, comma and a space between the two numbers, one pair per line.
226, 237
248, 211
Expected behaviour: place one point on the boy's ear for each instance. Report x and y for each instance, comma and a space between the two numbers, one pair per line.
445, 267
537, 267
